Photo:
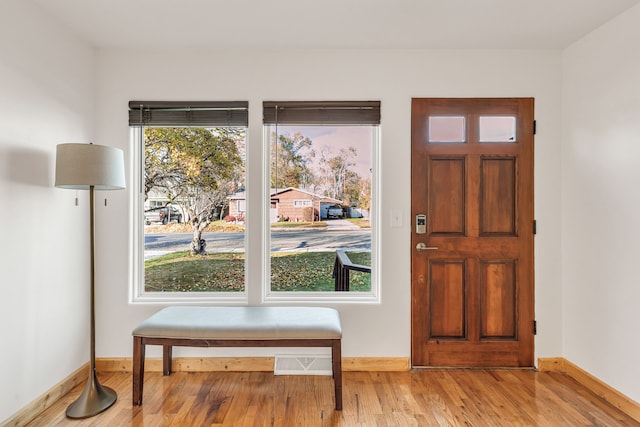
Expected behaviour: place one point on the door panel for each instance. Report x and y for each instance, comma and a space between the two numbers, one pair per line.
498, 300
446, 192
472, 275
497, 196
448, 299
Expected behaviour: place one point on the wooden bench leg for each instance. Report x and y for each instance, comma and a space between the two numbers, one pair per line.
336, 357
166, 359
138, 370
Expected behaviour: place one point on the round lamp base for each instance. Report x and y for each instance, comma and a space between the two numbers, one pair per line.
94, 399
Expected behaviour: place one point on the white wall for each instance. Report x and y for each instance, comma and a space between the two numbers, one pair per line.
601, 201
391, 76
46, 87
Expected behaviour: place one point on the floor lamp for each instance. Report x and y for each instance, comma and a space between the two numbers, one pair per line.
90, 167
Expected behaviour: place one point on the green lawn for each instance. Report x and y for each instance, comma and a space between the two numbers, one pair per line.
224, 272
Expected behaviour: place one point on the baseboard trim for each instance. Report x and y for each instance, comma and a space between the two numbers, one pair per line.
593, 384
246, 364
47, 399
190, 364
376, 364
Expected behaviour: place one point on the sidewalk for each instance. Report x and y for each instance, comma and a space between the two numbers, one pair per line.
340, 224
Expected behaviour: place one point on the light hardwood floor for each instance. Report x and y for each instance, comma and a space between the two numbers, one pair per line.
433, 397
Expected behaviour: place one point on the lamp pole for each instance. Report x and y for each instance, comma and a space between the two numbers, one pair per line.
95, 398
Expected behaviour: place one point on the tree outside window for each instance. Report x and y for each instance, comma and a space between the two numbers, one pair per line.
194, 170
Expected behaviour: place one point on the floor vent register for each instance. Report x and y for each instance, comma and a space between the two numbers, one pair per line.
303, 365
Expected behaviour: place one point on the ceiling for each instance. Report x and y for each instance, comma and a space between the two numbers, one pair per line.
412, 24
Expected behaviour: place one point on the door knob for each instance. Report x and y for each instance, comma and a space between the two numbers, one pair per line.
421, 247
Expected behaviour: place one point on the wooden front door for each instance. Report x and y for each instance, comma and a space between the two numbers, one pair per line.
472, 234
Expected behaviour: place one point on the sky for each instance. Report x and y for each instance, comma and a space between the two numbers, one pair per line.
333, 138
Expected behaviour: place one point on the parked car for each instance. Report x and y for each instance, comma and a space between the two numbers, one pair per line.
335, 211
163, 214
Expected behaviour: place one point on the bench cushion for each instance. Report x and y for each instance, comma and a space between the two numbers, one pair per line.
242, 323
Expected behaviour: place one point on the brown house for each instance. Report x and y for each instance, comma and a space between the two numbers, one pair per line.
287, 204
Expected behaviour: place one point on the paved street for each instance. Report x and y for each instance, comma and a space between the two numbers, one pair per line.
332, 238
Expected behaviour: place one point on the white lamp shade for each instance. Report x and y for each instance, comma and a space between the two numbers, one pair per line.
80, 166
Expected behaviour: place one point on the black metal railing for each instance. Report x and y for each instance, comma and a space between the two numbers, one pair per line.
341, 269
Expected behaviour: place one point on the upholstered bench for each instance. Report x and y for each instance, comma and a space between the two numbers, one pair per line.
237, 327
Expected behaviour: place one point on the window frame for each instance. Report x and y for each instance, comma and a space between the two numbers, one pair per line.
260, 291
137, 293
374, 295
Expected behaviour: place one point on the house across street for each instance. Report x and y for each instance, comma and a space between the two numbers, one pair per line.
293, 204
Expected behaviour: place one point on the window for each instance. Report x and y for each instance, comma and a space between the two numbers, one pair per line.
191, 159
189, 166
448, 129
321, 183
302, 203
497, 128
